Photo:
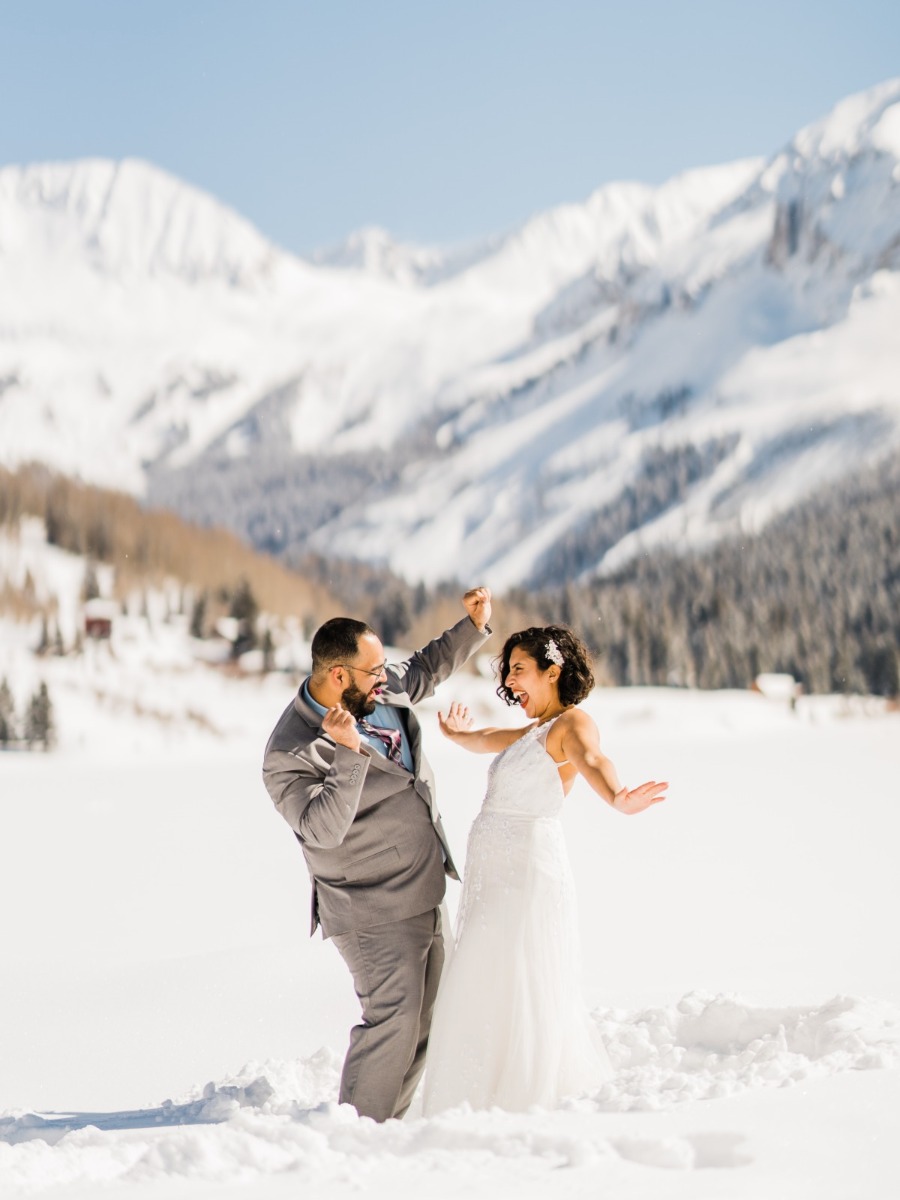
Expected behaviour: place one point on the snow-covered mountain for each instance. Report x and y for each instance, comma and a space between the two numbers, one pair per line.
654, 365
376, 252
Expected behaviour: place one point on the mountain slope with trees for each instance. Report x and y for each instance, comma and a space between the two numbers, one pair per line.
816, 594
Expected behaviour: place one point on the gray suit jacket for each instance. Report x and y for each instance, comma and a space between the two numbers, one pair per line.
370, 830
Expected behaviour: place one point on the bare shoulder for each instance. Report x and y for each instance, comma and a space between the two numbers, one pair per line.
576, 720
571, 728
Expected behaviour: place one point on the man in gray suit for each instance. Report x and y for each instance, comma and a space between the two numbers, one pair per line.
345, 768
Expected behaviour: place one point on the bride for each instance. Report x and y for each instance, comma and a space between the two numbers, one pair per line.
510, 1029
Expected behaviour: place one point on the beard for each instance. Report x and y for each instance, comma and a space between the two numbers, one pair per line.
357, 702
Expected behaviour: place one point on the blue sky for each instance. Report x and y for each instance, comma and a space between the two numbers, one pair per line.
440, 121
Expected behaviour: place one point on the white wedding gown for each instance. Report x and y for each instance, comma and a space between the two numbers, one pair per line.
510, 1029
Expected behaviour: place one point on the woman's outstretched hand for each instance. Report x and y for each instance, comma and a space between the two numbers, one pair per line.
457, 720
635, 800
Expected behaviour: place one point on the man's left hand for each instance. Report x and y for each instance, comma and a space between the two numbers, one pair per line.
478, 605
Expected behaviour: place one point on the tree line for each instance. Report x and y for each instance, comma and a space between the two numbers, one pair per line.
110, 527
816, 594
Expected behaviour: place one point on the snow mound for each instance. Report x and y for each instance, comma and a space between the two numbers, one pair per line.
708, 1047
281, 1117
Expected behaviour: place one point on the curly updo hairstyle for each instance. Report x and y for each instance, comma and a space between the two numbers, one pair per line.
576, 677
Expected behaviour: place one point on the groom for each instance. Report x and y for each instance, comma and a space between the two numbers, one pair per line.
345, 769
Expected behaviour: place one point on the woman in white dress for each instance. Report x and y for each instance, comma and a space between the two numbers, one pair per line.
510, 1029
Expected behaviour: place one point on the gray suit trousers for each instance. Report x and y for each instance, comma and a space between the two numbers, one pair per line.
396, 968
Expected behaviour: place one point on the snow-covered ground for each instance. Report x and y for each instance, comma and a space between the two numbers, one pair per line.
740, 940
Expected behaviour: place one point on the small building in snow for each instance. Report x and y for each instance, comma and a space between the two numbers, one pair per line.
776, 686
98, 618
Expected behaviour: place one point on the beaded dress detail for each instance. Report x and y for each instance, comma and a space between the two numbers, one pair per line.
510, 1029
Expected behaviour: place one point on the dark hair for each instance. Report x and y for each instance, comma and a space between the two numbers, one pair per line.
575, 678
336, 641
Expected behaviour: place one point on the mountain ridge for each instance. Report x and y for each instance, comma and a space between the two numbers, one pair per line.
472, 408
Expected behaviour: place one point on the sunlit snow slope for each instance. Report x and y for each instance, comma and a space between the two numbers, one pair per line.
718, 345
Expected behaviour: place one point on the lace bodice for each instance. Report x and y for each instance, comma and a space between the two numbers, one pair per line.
523, 779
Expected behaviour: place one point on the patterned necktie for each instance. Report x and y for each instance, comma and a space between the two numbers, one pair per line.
389, 737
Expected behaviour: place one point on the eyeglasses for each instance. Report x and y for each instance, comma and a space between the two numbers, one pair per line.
362, 670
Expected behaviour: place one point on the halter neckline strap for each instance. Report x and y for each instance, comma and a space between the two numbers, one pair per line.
539, 728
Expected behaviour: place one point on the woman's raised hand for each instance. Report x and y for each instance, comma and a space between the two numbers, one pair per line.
457, 720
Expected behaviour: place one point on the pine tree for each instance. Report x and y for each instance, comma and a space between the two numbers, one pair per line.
7, 714
198, 615
90, 588
39, 727
243, 603
245, 609
44, 643
268, 650
391, 616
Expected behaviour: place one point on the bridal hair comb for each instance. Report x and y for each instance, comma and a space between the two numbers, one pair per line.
554, 653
